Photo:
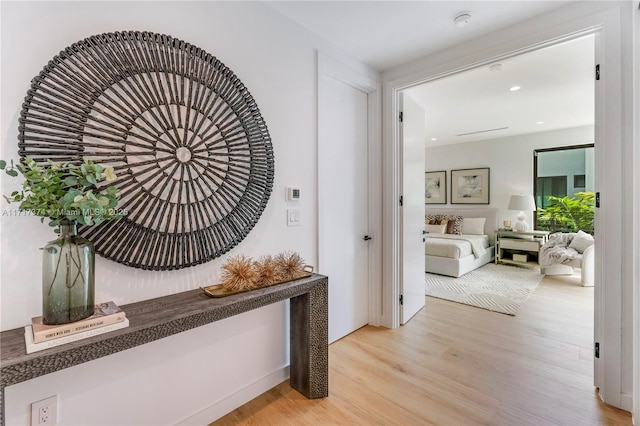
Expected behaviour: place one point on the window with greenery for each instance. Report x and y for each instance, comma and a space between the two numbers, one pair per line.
563, 185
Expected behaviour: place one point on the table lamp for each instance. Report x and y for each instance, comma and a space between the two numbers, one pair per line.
522, 203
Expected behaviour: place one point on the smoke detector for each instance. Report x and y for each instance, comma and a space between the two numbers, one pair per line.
462, 19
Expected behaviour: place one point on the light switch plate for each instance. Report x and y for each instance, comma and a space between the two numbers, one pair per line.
293, 217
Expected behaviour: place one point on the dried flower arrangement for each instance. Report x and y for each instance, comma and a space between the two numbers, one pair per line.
268, 271
290, 265
241, 273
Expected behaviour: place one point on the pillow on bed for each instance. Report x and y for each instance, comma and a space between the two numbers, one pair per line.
436, 222
435, 229
454, 223
473, 225
431, 218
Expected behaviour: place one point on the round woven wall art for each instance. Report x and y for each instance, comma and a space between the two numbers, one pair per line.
192, 153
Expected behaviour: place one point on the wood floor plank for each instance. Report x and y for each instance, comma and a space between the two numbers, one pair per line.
454, 364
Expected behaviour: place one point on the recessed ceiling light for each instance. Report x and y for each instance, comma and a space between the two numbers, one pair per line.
515, 88
462, 19
434, 139
540, 122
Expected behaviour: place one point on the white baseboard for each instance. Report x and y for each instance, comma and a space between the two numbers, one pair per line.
235, 400
626, 402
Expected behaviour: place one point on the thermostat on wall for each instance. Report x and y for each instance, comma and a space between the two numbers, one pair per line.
293, 194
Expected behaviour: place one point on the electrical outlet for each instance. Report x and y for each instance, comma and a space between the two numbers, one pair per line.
45, 412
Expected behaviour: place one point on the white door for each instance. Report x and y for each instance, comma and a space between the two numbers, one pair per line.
413, 135
343, 204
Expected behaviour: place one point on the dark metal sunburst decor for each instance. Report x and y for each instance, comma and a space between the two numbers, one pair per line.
192, 153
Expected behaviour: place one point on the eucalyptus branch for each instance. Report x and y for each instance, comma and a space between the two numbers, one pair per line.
65, 191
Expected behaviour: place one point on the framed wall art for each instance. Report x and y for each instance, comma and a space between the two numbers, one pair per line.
470, 186
435, 187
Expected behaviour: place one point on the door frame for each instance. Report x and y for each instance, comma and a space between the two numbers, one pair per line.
636, 206
329, 67
606, 25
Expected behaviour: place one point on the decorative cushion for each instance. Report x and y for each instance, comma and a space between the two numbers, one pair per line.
431, 219
435, 229
581, 241
473, 225
454, 223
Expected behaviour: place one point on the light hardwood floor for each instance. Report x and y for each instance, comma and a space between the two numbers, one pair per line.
454, 364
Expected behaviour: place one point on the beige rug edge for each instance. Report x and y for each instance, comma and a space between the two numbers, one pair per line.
497, 288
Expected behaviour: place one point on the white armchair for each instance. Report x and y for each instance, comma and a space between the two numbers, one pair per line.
585, 261
587, 266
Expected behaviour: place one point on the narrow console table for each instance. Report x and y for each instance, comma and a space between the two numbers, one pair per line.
162, 317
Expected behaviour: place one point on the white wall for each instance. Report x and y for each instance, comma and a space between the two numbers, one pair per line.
510, 160
216, 367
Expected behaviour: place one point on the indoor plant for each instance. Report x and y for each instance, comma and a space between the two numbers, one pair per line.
67, 194
568, 214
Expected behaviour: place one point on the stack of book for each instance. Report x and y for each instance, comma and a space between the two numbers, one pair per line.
106, 317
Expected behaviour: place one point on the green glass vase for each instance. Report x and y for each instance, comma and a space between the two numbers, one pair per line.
68, 265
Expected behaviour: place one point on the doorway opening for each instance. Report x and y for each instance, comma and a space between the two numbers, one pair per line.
495, 120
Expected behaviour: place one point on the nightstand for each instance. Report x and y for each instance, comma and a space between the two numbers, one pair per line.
519, 247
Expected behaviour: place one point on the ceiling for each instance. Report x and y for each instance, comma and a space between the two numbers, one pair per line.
556, 91
385, 34
556, 82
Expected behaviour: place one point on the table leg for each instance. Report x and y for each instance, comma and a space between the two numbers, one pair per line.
2, 406
309, 345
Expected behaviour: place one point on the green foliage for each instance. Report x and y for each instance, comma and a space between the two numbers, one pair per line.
65, 191
568, 214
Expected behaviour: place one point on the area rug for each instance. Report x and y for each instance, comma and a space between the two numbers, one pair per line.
498, 288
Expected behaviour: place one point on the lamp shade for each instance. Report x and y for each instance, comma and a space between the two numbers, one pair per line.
524, 203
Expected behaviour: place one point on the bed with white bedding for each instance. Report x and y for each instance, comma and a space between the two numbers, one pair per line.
456, 254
